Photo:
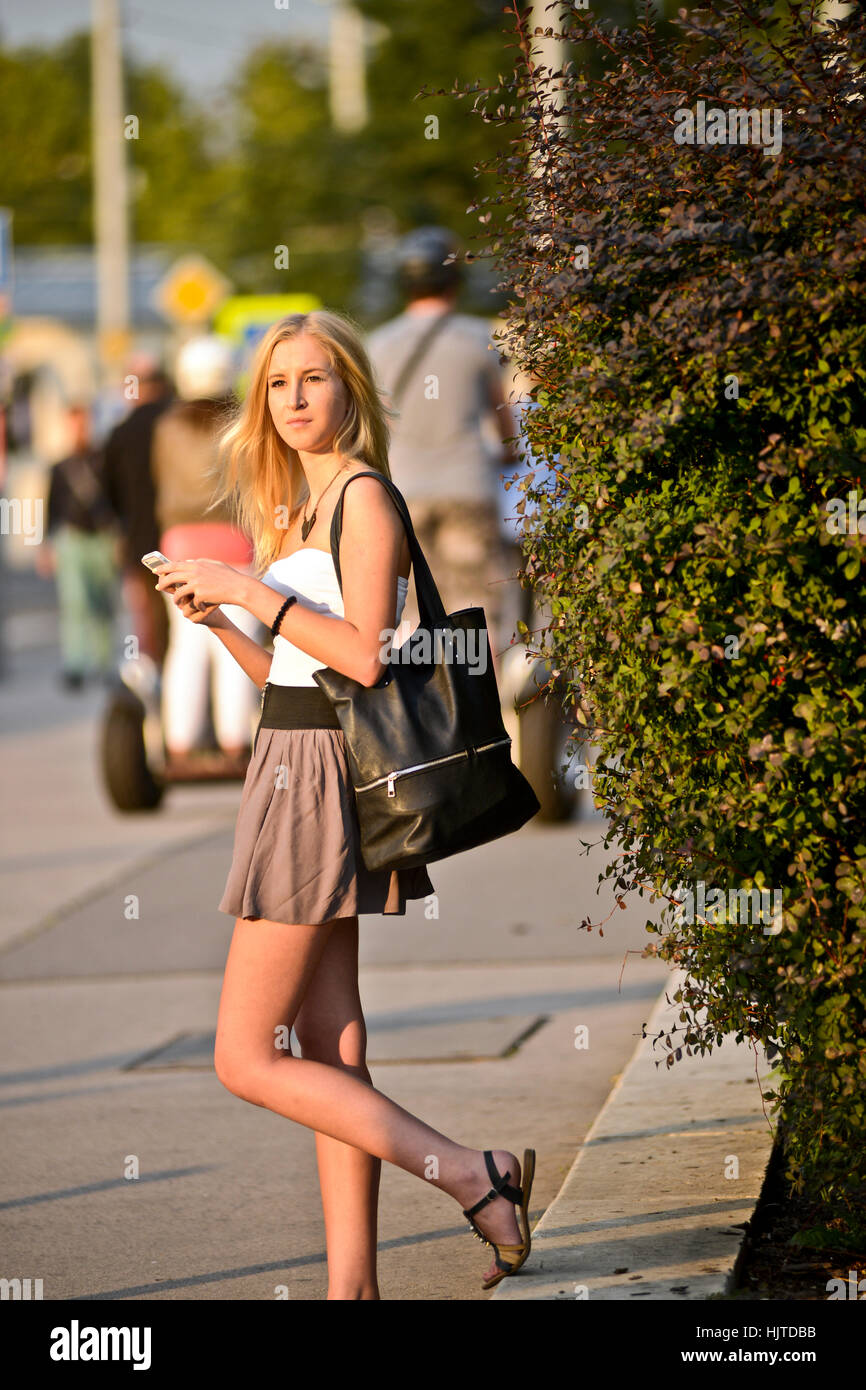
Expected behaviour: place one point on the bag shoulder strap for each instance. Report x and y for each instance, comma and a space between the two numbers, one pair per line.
430, 606
417, 353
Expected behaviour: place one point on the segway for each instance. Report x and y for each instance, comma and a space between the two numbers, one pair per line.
546, 742
135, 767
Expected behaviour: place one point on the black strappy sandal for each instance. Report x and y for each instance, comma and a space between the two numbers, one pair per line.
520, 1197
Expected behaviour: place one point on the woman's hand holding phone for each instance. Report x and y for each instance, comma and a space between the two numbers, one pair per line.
208, 614
197, 611
206, 582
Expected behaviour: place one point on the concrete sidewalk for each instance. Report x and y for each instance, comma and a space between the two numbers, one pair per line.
656, 1200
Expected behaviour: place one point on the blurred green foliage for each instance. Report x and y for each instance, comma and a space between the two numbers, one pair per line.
45, 158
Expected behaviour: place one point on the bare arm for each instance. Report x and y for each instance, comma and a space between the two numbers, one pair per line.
250, 655
505, 422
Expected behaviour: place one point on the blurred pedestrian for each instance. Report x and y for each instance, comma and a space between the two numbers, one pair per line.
129, 479
200, 677
82, 554
440, 369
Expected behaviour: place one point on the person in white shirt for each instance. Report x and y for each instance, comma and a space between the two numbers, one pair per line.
440, 456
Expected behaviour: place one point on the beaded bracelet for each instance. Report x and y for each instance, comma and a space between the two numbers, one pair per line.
275, 626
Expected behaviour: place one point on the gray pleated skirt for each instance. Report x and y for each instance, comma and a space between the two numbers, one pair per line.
297, 851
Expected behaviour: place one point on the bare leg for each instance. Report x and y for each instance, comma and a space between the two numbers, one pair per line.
349, 1181
330, 1028
268, 972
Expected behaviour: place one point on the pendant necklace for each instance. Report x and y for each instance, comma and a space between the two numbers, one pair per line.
307, 526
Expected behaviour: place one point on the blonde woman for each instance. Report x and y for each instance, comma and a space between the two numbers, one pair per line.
312, 420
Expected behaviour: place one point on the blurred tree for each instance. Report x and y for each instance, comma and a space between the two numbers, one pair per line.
45, 156
45, 169
301, 184
178, 176
423, 168
294, 180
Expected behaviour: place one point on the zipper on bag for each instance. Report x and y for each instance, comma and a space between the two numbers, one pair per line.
391, 777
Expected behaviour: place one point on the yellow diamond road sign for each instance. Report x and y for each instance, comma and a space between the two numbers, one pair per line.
191, 291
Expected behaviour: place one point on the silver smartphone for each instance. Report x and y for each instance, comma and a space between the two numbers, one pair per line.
154, 558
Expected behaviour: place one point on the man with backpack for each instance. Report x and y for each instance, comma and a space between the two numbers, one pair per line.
440, 369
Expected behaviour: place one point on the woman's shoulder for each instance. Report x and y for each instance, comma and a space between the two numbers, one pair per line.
368, 503
374, 490
371, 508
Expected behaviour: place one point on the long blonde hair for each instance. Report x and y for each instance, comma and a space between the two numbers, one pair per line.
262, 477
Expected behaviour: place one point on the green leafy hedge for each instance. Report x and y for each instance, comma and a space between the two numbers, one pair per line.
695, 319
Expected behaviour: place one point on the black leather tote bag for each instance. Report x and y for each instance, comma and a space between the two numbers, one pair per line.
428, 754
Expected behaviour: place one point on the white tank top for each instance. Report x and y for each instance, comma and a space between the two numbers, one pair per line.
310, 574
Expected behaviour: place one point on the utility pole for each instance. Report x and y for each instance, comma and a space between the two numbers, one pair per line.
550, 54
110, 196
347, 90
